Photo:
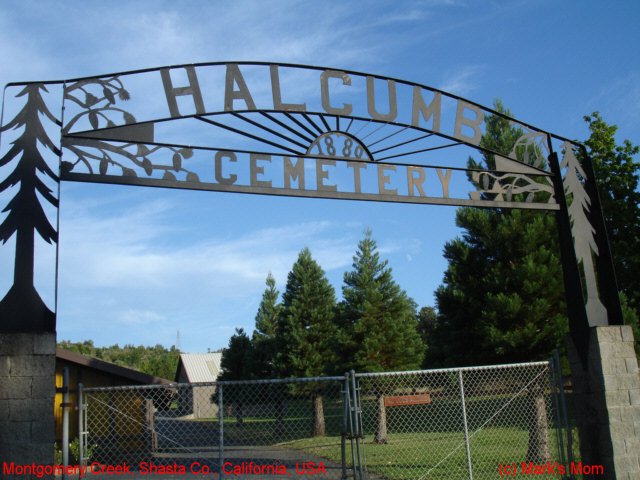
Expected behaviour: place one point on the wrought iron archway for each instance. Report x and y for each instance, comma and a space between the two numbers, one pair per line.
227, 127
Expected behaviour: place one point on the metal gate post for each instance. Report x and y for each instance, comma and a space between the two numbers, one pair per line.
81, 424
345, 414
220, 430
563, 411
352, 432
556, 407
65, 421
357, 423
466, 429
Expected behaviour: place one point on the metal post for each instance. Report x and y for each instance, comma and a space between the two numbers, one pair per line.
356, 417
352, 431
345, 414
466, 430
563, 406
556, 407
81, 429
65, 421
220, 430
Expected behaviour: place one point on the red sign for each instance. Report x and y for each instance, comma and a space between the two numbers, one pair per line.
407, 400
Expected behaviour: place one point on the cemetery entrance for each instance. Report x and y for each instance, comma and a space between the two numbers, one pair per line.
271, 129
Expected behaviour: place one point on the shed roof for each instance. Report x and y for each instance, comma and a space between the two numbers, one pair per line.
110, 368
201, 367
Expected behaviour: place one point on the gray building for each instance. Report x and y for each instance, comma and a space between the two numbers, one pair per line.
198, 368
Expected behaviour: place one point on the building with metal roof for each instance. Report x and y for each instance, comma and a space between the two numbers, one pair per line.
198, 368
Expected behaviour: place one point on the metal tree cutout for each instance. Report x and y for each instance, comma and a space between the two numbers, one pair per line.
583, 233
22, 309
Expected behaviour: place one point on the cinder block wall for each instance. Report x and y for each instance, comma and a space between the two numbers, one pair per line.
27, 395
607, 402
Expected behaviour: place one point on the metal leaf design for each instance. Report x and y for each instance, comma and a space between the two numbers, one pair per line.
177, 162
531, 148
99, 105
504, 187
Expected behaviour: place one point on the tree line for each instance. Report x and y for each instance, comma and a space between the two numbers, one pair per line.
308, 333
157, 360
502, 298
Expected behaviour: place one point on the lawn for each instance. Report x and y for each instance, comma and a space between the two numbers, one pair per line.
430, 455
424, 441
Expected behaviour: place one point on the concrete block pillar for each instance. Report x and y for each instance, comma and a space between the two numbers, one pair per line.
27, 396
607, 403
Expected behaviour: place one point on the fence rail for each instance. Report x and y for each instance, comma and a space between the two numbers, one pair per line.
429, 424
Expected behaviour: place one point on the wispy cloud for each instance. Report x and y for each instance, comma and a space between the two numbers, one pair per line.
462, 81
619, 99
119, 269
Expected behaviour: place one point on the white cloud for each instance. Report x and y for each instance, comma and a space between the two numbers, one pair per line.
620, 99
462, 81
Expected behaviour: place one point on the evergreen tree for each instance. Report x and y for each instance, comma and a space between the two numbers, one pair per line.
427, 323
378, 322
264, 335
377, 317
236, 364
502, 299
618, 176
22, 309
305, 328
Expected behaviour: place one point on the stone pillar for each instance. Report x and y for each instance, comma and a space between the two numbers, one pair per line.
607, 403
27, 396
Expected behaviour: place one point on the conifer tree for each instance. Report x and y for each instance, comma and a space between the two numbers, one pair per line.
377, 317
502, 299
378, 322
305, 329
236, 364
617, 174
264, 335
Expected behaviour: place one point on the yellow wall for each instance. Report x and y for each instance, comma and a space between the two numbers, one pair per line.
89, 377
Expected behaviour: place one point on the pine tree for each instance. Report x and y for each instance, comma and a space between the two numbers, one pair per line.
618, 176
502, 299
377, 316
378, 322
305, 328
236, 364
264, 335
427, 324
22, 309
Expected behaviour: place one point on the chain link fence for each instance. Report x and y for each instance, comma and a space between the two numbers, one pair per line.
452, 423
457, 423
243, 427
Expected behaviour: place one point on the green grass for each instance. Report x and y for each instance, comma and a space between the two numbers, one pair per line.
430, 455
421, 444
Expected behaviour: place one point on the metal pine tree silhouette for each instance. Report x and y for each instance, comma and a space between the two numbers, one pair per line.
22, 309
583, 233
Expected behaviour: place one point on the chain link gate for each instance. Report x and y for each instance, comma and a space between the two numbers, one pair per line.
459, 423
298, 426
432, 424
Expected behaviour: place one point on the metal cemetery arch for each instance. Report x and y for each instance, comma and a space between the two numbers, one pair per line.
230, 127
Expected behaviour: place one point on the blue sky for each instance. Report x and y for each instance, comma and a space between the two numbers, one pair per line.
137, 264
